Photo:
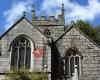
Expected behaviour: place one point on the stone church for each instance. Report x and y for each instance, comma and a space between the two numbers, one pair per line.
69, 54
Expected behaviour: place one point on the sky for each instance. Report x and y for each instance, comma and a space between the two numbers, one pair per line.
12, 10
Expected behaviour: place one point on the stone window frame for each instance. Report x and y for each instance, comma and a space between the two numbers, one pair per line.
69, 64
77, 54
47, 32
32, 48
45, 55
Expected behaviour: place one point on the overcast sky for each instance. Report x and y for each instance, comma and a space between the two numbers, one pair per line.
11, 10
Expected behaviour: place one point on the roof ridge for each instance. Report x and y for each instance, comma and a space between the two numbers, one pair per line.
12, 26
80, 32
23, 17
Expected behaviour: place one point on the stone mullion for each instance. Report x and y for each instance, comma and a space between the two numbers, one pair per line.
74, 64
44, 58
44, 55
25, 55
69, 66
64, 67
18, 58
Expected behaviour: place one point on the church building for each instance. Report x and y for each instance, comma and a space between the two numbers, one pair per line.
68, 54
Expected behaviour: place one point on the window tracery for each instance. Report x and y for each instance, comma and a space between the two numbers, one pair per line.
71, 59
47, 32
21, 53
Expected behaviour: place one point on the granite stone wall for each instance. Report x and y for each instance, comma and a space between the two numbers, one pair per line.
56, 31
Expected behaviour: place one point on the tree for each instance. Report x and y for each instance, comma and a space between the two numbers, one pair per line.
97, 28
88, 29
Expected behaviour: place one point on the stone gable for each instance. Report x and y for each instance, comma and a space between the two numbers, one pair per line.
90, 51
22, 28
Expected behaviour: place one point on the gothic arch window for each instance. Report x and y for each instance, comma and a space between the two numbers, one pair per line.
47, 32
72, 59
21, 53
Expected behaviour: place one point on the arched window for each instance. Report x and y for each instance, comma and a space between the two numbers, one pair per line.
72, 58
21, 53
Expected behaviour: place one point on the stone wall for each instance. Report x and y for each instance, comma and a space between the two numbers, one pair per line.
90, 64
56, 31
51, 20
2, 77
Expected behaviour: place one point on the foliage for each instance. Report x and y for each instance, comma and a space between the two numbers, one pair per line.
97, 28
24, 74
88, 29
